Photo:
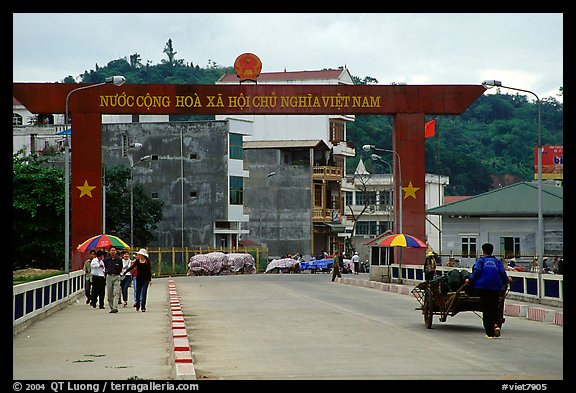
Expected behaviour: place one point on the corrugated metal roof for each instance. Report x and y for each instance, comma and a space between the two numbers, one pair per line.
317, 144
516, 200
328, 74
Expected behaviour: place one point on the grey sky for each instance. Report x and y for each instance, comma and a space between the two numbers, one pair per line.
521, 50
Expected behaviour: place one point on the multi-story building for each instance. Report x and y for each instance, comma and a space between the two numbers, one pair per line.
326, 198
196, 169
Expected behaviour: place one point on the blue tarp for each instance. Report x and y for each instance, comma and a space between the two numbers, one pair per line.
65, 132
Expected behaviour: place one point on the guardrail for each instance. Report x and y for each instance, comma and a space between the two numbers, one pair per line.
526, 286
40, 298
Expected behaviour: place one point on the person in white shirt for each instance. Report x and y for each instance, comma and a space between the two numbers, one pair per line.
127, 277
356, 261
98, 280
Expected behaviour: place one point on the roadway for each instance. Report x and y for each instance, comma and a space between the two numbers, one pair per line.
284, 326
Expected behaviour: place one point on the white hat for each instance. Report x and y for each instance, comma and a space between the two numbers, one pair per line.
356, 253
142, 251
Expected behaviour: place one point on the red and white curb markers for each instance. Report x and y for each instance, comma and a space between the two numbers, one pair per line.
180, 356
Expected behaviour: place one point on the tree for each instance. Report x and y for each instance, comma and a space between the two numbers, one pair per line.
169, 50
147, 211
37, 213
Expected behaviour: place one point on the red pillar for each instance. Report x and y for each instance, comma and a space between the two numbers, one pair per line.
86, 186
408, 142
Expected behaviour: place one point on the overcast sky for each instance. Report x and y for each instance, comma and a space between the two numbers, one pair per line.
521, 50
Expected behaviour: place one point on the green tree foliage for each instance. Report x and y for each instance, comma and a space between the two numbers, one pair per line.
37, 213
147, 211
494, 137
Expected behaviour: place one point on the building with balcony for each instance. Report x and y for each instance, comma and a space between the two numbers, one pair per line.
326, 187
293, 197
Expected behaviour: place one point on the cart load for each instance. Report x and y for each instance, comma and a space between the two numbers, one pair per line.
218, 263
317, 265
282, 265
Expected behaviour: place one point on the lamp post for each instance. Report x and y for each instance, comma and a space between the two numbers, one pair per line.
376, 157
143, 159
135, 146
118, 81
372, 147
488, 84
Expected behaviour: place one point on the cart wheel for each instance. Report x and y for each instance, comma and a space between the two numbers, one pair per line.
428, 308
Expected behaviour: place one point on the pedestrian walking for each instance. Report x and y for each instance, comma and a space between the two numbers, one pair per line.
490, 280
88, 276
126, 280
98, 280
113, 268
356, 261
336, 266
144, 279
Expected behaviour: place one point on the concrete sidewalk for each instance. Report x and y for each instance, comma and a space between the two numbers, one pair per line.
80, 342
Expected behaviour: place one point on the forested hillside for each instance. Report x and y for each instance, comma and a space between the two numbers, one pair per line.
491, 143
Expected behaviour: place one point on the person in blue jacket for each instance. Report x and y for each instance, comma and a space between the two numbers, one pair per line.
489, 278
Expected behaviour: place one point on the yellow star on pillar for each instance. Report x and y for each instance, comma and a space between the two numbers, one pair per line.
410, 191
85, 189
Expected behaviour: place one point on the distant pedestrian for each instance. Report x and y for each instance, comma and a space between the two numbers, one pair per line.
489, 278
144, 279
356, 261
88, 276
98, 280
336, 266
113, 268
126, 280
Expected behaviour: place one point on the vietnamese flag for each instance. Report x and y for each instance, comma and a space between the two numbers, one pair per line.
429, 128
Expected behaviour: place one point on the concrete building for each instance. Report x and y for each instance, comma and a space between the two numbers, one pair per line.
293, 198
326, 203
197, 169
505, 217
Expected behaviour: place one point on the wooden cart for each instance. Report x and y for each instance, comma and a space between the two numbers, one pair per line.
436, 299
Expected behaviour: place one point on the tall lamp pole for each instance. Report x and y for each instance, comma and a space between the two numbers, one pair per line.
118, 81
488, 84
143, 159
372, 147
135, 146
376, 157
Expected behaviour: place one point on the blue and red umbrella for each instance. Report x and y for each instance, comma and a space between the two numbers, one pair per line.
401, 240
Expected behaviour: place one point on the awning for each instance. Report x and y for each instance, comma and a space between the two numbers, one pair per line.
336, 227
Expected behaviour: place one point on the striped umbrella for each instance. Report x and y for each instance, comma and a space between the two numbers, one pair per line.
103, 241
401, 240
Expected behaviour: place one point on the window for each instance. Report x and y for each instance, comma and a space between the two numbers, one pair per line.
336, 131
385, 198
510, 247
359, 198
236, 190
469, 249
366, 228
348, 198
371, 197
16, 119
235, 146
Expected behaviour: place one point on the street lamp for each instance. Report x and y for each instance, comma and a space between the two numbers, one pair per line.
488, 84
118, 81
372, 147
143, 159
376, 157
135, 146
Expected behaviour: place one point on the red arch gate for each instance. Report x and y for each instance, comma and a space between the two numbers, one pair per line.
408, 104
